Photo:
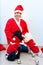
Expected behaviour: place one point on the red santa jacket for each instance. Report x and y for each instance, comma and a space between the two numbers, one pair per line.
12, 26
12, 47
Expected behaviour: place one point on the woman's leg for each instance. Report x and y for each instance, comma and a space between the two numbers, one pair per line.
31, 44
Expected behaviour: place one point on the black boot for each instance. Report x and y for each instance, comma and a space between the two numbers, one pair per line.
11, 56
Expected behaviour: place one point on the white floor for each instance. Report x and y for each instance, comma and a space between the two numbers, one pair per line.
26, 59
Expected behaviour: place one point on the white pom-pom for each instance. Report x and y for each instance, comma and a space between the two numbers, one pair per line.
14, 39
28, 37
12, 43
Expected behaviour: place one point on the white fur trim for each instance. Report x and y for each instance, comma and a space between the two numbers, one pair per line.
12, 43
14, 39
16, 52
23, 43
28, 37
18, 23
18, 11
23, 35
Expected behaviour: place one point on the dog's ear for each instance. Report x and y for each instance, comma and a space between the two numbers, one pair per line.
18, 34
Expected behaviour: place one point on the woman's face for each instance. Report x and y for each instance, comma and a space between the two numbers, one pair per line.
17, 15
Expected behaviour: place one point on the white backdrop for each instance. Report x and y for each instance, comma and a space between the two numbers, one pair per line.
33, 14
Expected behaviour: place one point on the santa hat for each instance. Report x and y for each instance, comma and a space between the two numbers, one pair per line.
2, 47
19, 8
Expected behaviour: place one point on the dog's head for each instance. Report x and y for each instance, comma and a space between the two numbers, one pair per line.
18, 34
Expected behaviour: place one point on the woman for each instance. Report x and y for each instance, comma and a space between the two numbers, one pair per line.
18, 24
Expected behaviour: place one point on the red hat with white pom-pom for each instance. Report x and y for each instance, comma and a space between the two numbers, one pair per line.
19, 8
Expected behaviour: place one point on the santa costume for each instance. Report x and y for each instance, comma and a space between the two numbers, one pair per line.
12, 26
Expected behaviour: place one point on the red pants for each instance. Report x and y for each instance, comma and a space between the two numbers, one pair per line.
30, 44
33, 46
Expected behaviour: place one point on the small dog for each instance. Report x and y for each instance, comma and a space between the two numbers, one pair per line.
12, 56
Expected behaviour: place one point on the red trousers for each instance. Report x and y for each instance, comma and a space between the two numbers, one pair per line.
30, 44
